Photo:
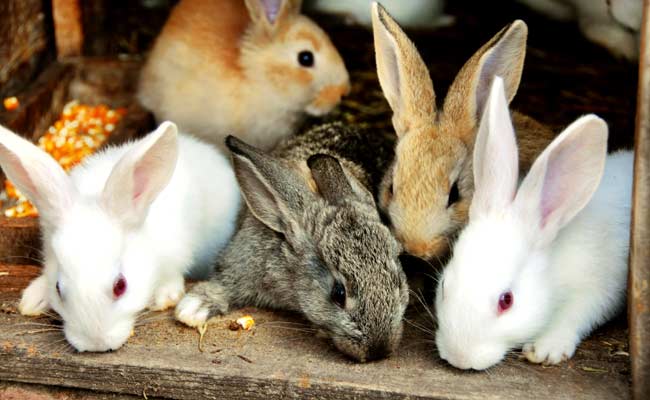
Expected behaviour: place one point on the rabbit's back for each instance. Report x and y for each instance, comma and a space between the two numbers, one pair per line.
591, 253
365, 153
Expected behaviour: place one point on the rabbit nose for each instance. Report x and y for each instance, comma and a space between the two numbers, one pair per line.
380, 350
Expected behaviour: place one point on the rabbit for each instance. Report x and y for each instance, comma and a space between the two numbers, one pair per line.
311, 241
426, 193
252, 68
613, 24
121, 230
427, 14
543, 265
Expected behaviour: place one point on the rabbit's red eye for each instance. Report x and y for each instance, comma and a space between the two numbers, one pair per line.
119, 287
505, 301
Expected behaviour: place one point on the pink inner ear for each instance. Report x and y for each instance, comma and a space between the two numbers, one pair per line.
140, 181
557, 185
271, 9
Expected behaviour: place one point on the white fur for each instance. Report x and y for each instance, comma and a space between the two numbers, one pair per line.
90, 240
560, 248
409, 14
603, 24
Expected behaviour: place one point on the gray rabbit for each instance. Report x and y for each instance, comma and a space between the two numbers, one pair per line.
312, 241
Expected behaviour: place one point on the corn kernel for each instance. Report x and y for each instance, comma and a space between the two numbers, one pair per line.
11, 103
246, 322
78, 132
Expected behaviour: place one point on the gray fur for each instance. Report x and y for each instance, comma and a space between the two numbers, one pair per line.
293, 243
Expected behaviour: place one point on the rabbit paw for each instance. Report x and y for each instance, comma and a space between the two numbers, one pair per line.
551, 349
205, 300
192, 311
34, 299
168, 295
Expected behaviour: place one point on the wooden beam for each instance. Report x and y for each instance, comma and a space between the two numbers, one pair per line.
639, 278
68, 28
280, 357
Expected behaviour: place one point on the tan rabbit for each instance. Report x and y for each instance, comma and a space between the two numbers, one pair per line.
250, 68
427, 191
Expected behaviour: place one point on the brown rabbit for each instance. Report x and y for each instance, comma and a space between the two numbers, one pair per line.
427, 191
250, 68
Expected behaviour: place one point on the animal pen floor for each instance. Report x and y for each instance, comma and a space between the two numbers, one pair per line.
564, 77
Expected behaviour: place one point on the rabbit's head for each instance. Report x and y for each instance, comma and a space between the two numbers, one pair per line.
98, 272
427, 191
294, 56
341, 260
497, 292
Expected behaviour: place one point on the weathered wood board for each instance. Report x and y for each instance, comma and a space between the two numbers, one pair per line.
282, 357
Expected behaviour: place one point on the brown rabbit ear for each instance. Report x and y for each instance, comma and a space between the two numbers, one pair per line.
332, 181
274, 193
504, 56
403, 76
272, 13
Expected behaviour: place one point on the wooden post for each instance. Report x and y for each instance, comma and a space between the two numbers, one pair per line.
68, 28
639, 277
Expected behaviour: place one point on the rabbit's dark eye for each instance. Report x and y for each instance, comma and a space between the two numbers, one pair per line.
58, 289
454, 196
338, 294
119, 287
505, 301
306, 58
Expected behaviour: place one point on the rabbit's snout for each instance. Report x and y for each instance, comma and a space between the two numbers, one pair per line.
327, 98
98, 339
362, 352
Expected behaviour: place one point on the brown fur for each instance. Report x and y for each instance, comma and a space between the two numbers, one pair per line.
306, 35
435, 148
217, 28
223, 67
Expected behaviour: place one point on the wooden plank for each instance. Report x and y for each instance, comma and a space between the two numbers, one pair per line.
21, 391
68, 29
639, 278
281, 357
25, 43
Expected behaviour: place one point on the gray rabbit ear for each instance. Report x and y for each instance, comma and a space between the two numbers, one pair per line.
332, 181
330, 178
274, 193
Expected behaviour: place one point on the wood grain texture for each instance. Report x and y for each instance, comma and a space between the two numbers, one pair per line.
639, 279
68, 29
282, 358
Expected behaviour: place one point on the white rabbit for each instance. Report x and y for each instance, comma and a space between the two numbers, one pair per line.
409, 14
613, 24
541, 266
121, 230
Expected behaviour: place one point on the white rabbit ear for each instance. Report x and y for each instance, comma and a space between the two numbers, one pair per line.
495, 160
272, 13
140, 175
403, 75
564, 177
37, 175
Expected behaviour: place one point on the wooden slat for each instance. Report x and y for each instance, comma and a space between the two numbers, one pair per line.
639, 278
68, 29
282, 358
